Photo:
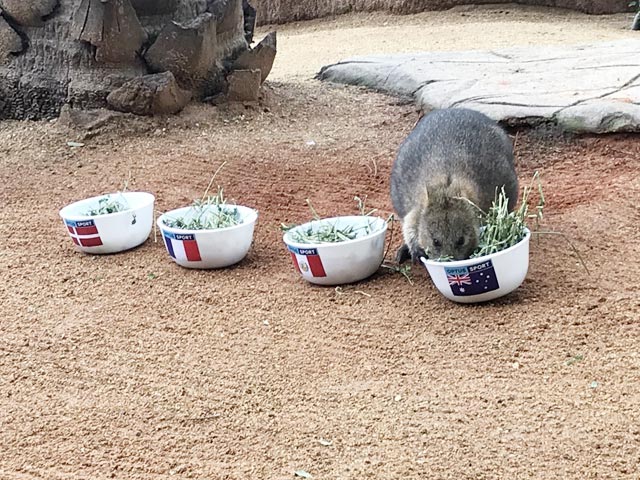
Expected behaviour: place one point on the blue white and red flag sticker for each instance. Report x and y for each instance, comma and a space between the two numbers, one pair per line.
182, 246
84, 233
472, 280
307, 261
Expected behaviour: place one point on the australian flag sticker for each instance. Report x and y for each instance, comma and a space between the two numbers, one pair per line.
472, 280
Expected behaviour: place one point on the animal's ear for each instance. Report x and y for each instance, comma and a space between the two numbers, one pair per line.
425, 197
461, 189
435, 195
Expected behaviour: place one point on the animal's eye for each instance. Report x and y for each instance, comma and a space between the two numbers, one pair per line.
460, 242
437, 243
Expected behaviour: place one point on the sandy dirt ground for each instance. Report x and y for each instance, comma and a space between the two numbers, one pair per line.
127, 366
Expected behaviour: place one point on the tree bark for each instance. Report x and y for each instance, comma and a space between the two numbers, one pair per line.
56, 52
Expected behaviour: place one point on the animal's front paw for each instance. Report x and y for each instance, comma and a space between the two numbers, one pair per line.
403, 254
413, 253
417, 253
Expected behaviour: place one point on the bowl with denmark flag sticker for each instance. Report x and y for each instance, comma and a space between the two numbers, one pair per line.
337, 250
109, 223
208, 235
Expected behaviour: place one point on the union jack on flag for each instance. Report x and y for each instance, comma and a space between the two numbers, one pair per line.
84, 233
459, 279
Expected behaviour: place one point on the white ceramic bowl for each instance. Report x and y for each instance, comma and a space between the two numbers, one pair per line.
341, 262
215, 248
482, 278
112, 232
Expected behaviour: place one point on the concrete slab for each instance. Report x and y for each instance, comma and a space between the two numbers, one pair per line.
587, 88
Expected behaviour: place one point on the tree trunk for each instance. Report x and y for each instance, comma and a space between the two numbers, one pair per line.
636, 22
56, 52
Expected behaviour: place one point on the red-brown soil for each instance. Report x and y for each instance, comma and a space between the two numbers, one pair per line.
127, 366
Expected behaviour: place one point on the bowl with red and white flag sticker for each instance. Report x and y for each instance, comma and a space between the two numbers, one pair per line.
109, 223
208, 235
337, 250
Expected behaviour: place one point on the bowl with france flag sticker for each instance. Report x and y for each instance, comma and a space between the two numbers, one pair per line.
109, 223
337, 250
208, 235
482, 278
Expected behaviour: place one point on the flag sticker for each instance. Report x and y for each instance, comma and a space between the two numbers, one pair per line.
307, 262
84, 233
472, 280
182, 246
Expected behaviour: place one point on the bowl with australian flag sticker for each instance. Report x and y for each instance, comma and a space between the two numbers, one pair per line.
482, 278
109, 223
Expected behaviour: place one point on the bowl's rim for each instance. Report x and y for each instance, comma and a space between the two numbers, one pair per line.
63, 212
252, 218
473, 261
299, 245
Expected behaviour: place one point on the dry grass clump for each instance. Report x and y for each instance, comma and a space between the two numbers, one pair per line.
330, 232
503, 229
108, 205
208, 213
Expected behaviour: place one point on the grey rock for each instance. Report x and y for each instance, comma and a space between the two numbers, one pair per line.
88, 120
10, 41
112, 26
588, 88
188, 50
244, 85
599, 117
260, 58
249, 14
150, 94
28, 12
55, 68
228, 14
286, 11
154, 7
